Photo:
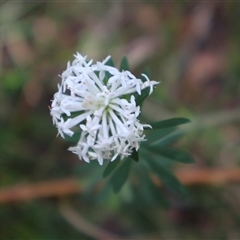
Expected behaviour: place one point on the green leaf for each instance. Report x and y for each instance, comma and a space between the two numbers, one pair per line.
146, 72
148, 193
124, 64
167, 178
111, 167
169, 139
120, 176
134, 155
153, 136
110, 62
172, 154
140, 98
169, 123
74, 138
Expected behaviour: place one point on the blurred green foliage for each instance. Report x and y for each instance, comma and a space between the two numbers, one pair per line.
191, 47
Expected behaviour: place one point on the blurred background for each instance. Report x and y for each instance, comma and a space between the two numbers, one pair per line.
192, 47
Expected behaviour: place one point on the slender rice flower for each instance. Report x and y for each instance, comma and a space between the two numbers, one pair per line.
98, 101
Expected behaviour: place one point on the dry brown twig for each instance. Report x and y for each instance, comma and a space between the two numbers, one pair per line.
65, 187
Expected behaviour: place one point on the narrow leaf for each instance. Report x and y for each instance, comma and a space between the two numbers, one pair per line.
145, 92
149, 193
134, 155
110, 167
169, 123
74, 138
169, 139
172, 154
167, 178
141, 98
147, 73
153, 136
110, 62
120, 176
124, 64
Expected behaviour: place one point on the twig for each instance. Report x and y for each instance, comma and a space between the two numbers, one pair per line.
65, 187
208, 176
26, 192
77, 221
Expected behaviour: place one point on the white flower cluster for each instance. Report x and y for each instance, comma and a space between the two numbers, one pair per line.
92, 100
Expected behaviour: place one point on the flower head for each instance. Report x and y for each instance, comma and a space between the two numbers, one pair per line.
97, 100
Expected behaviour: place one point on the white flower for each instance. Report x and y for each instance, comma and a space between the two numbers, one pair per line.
93, 100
